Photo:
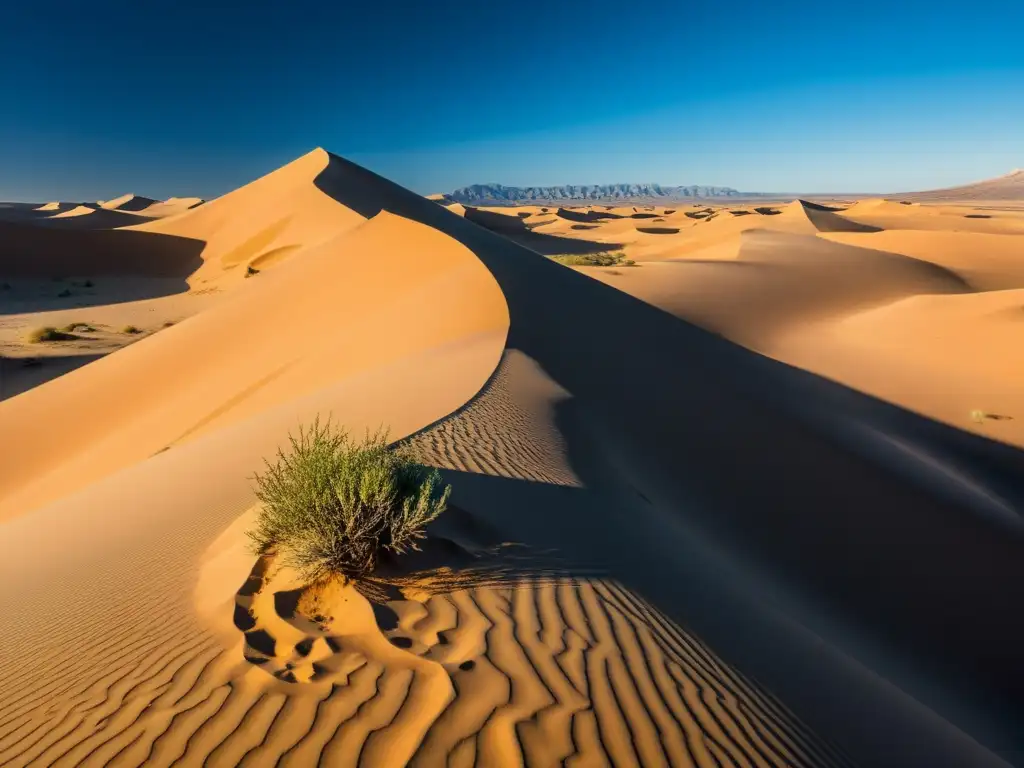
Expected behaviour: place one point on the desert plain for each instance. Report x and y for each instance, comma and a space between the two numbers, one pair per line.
732, 484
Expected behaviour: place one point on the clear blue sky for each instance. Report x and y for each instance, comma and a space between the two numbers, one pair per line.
177, 98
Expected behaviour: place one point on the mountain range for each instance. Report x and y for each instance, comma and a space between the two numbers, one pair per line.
499, 193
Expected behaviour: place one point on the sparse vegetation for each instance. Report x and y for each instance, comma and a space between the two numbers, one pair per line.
48, 333
979, 417
131, 329
333, 506
597, 259
168, 323
64, 294
77, 326
251, 270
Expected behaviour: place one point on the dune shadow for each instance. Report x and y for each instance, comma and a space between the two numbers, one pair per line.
549, 245
20, 374
108, 258
658, 230
99, 218
820, 206
586, 217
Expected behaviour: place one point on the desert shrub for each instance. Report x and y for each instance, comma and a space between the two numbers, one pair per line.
64, 294
331, 505
77, 326
48, 333
251, 270
598, 259
131, 329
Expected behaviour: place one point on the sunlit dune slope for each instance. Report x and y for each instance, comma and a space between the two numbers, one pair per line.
128, 202
755, 285
261, 223
988, 262
202, 374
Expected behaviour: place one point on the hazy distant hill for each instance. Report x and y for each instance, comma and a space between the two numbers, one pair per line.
498, 193
1008, 187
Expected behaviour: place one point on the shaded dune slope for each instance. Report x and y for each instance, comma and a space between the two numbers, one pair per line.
718, 495
28, 250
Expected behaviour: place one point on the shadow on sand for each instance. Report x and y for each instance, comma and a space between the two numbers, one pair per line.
37, 253
21, 374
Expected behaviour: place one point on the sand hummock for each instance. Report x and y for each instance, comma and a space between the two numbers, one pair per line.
728, 506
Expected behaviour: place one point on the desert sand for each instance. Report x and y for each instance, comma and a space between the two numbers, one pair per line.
754, 500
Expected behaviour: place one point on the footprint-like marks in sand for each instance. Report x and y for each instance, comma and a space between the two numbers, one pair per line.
532, 670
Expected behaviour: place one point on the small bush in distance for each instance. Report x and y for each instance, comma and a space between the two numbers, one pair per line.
598, 259
131, 329
333, 506
251, 270
49, 333
77, 326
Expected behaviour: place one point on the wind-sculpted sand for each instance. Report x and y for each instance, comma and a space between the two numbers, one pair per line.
662, 548
918, 307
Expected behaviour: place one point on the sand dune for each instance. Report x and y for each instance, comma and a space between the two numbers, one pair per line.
128, 202
172, 206
662, 548
283, 210
78, 210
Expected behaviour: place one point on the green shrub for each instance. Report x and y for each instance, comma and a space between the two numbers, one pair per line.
131, 329
598, 259
333, 506
49, 333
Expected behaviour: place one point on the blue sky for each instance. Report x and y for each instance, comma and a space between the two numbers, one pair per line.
180, 99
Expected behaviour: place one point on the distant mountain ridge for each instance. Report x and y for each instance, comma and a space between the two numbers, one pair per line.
499, 193
1007, 187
